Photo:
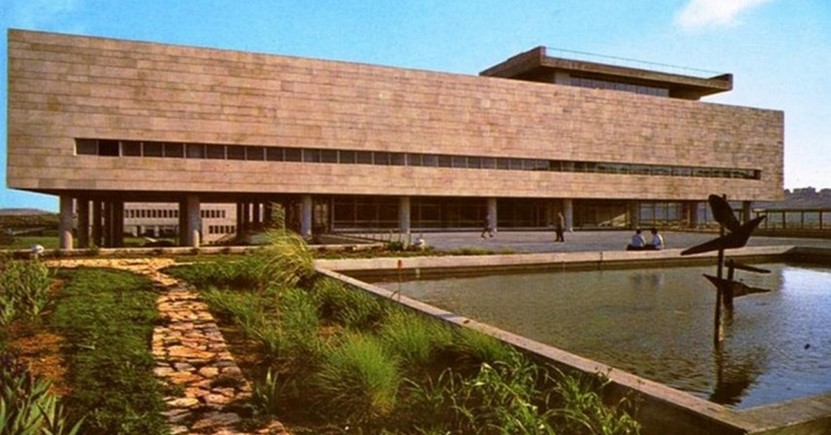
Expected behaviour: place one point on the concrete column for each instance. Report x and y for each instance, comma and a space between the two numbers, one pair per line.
634, 215
747, 211
492, 213
97, 231
306, 216
693, 213
255, 215
118, 224
83, 222
108, 225
194, 221
568, 213
404, 217
239, 219
65, 224
268, 211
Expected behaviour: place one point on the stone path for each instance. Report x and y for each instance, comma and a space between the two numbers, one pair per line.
190, 354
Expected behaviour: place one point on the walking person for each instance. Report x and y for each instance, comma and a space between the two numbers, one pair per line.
560, 228
487, 227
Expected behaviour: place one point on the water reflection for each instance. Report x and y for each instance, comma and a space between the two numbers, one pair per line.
659, 324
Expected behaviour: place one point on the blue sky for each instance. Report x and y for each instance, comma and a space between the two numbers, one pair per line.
778, 50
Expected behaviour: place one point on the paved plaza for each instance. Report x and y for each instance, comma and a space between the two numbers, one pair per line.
583, 241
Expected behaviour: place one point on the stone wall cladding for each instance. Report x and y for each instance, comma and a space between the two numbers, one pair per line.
63, 87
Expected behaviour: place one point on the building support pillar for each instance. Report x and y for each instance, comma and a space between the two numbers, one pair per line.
306, 216
747, 211
634, 215
65, 223
692, 214
117, 224
193, 221
97, 230
83, 222
568, 213
404, 218
108, 225
493, 217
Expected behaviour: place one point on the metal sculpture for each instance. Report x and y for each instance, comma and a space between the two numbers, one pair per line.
727, 289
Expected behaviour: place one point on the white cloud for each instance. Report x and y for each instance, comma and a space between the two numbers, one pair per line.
703, 13
35, 14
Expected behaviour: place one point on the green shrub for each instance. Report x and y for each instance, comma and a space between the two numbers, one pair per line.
359, 380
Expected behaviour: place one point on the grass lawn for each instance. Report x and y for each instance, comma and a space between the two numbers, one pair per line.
93, 343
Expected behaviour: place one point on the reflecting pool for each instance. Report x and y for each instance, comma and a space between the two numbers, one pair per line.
658, 324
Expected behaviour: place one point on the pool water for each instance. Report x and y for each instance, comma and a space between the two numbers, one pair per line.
658, 324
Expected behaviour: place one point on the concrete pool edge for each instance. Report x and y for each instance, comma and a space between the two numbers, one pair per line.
662, 409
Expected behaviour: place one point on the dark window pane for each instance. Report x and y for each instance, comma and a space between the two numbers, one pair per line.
414, 159
398, 159
516, 164
474, 162
236, 152
213, 151
364, 157
153, 149
274, 154
294, 154
381, 158
459, 161
131, 148
503, 163
311, 156
346, 157
445, 161
328, 156
431, 160
174, 150
108, 148
488, 163
254, 153
195, 151
86, 146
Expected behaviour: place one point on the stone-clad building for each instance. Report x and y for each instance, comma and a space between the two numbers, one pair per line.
101, 122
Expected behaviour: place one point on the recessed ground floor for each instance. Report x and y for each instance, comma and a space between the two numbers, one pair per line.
103, 218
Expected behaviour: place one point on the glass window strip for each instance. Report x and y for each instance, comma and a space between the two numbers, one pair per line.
124, 148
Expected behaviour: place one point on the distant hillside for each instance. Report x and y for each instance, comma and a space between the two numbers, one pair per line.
22, 212
806, 197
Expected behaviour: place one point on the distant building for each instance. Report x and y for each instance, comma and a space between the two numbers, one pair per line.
345, 146
157, 220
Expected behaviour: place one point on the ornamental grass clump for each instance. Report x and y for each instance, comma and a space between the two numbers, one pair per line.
24, 290
413, 338
284, 261
359, 380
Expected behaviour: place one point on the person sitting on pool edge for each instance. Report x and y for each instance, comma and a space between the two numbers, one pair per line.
657, 242
638, 242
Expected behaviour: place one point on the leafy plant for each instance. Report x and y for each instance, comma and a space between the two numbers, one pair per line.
284, 261
27, 406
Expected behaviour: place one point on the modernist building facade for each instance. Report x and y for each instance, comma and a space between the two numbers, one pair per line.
341, 146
